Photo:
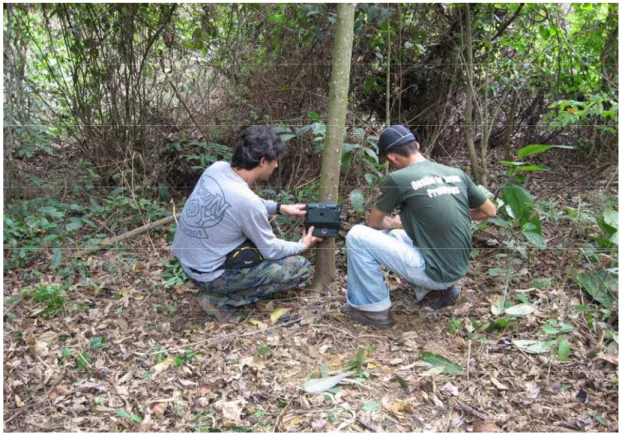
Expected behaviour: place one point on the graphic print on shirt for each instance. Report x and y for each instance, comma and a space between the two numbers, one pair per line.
205, 208
438, 191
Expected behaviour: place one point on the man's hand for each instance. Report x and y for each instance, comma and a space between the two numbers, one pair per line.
393, 222
308, 239
379, 220
295, 210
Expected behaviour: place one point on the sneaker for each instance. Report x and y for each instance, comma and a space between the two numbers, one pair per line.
221, 315
382, 319
449, 297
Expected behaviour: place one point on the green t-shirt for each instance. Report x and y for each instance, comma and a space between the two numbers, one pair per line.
434, 202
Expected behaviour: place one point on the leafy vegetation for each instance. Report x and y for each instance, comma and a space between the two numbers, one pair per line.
112, 112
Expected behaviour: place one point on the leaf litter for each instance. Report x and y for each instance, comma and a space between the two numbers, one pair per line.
158, 364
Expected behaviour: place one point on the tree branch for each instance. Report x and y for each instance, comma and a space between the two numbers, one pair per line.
506, 24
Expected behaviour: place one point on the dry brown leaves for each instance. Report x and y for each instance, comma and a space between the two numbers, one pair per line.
164, 367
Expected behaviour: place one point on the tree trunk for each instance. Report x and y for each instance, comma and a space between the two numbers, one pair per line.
509, 127
331, 157
388, 87
486, 120
468, 113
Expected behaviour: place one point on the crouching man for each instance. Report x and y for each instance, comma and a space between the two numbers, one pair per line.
224, 240
428, 243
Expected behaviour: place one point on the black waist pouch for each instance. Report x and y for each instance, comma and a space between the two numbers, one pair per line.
243, 256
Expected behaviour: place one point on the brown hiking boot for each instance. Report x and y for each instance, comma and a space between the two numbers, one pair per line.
382, 319
222, 316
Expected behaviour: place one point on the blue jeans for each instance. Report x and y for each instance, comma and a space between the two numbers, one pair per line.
368, 249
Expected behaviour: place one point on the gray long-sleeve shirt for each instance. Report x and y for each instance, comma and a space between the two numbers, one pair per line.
219, 215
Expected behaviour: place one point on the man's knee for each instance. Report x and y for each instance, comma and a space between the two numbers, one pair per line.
296, 267
355, 234
395, 233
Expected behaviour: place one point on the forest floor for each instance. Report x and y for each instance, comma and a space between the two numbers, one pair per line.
126, 353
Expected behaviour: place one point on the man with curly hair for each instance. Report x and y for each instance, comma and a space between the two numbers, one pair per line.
224, 240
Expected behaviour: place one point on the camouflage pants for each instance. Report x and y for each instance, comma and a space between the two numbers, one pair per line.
241, 286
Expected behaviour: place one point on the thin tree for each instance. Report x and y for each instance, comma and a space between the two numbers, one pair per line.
331, 157
470, 95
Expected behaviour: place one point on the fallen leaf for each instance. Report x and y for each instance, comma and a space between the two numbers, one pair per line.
437, 370
61, 389
519, 310
231, 410
456, 419
498, 384
486, 427
496, 304
450, 388
159, 408
252, 362
48, 337
371, 406
319, 424
608, 358
41, 348
532, 389
157, 369
273, 340
18, 401
437, 402
533, 347
274, 316
289, 424
448, 366
179, 289
396, 361
394, 407
320, 385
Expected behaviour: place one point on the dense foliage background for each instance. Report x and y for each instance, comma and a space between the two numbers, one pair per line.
112, 112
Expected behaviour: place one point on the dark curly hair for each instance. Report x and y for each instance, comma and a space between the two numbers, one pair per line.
257, 142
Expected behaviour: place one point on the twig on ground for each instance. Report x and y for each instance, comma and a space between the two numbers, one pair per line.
578, 178
347, 380
469, 361
451, 410
471, 410
228, 344
338, 329
611, 179
278, 418
24, 408
109, 242
233, 335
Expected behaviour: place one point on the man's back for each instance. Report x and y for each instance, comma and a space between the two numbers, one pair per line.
220, 214
209, 226
434, 202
